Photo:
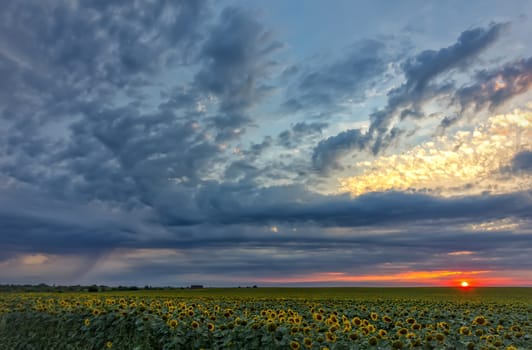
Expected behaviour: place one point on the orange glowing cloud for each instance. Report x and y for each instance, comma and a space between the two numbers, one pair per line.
467, 162
410, 276
447, 278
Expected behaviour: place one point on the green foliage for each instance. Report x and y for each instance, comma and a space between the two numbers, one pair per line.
268, 319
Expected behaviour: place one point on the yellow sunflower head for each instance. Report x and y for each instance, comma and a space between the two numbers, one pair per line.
464, 330
294, 345
331, 338
479, 320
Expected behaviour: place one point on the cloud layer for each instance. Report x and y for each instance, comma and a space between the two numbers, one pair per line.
142, 136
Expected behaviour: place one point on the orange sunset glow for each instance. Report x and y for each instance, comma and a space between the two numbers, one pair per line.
438, 278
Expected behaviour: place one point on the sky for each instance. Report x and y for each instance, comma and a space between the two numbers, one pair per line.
293, 143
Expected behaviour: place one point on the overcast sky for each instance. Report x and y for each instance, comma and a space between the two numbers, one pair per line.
266, 142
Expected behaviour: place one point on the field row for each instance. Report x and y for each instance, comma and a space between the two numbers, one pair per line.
150, 322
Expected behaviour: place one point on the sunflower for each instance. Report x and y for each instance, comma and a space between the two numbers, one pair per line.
382, 333
415, 343
464, 330
294, 345
386, 318
416, 326
317, 317
356, 321
397, 344
109, 344
374, 316
443, 325
331, 338
402, 331
440, 337
480, 320
210, 326
173, 323
96, 312
307, 342
87, 322
372, 341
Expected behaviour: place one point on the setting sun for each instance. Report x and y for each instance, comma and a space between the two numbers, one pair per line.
464, 284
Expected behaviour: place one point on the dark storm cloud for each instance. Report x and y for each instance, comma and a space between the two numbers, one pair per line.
234, 232
326, 154
135, 157
425, 66
227, 204
57, 57
236, 58
294, 254
522, 162
31, 221
187, 210
63, 65
406, 101
345, 79
126, 156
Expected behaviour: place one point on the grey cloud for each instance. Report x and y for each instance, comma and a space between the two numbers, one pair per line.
223, 204
347, 78
240, 169
125, 156
236, 59
421, 70
406, 101
522, 162
64, 64
328, 151
299, 132
234, 232
256, 149
425, 66
55, 61
496, 86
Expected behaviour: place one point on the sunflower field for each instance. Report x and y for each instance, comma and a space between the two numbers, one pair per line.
227, 320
